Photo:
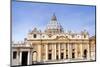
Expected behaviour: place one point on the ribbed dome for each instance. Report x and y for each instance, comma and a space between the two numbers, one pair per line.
54, 26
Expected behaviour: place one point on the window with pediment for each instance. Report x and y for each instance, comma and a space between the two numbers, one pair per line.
84, 36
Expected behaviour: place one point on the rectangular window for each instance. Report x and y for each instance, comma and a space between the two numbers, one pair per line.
14, 55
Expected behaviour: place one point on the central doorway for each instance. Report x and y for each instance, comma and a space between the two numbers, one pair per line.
49, 56
24, 58
85, 54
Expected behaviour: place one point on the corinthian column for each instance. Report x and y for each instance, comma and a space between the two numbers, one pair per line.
69, 51
20, 60
59, 51
88, 52
65, 51
81, 51
76, 56
46, 52
39, 53
54, 52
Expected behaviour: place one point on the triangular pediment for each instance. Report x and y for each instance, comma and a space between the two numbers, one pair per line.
62, 38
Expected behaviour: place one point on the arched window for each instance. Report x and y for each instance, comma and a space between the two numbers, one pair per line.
34, 35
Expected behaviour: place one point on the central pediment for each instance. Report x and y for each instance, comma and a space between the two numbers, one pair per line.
62, 38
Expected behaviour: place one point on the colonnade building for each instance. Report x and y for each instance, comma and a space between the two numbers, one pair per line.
54, 45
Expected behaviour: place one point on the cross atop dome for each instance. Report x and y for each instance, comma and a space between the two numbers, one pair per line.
53, 27
54, 17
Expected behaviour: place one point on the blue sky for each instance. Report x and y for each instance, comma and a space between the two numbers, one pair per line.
27, 15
